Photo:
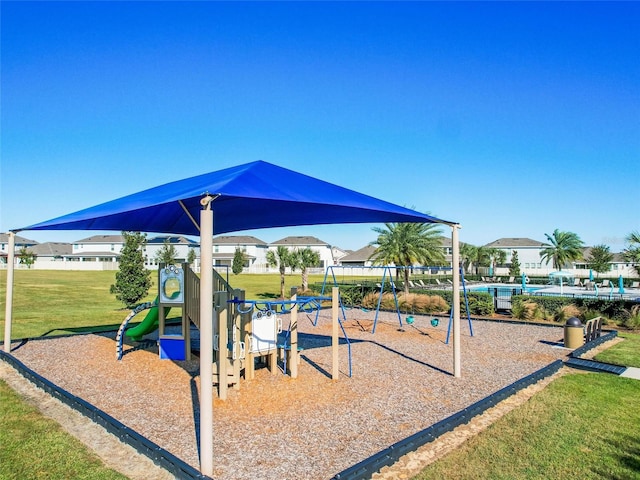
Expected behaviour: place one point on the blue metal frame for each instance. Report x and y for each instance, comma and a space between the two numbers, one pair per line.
384, 276
305, 304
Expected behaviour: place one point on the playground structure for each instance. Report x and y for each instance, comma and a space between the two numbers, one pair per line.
382, 285
243, 330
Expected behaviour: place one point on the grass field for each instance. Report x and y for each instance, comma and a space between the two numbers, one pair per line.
34, 446
60, 302
581, 426
624, 353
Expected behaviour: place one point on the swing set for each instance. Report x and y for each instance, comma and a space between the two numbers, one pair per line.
330, 275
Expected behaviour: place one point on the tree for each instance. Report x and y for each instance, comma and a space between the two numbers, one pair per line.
407, 244
563, 248
514, 268
600, 259
191, 256
497, 257
282, 258
132, 279
632, 252
467, 254
305, 259
238, 261
26, 257
167, 254
481, 257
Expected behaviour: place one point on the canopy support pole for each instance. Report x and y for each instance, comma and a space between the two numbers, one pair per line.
206, 336
455, 260
188, 213
8, 312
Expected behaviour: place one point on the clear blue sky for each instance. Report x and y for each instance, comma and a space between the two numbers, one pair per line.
513, 119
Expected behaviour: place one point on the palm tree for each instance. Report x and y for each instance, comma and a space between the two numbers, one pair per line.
632, 252
497, 257
306, 258
563, 248
467, 254
481, 257
282, 258
407, 244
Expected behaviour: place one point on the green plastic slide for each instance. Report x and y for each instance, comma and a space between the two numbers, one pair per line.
148, 325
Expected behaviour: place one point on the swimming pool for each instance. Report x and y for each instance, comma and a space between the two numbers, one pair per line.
504, 289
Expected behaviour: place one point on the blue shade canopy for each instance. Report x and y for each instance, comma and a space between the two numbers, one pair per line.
250, 196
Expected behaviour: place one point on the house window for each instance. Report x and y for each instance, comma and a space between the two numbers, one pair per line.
112, 247
216, 248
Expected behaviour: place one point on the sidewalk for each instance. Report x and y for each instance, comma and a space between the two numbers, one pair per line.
631, 372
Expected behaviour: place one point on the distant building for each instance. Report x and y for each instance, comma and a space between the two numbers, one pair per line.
528, 255
20, 242
254, 249
97, 248
50, 252
359, 258
182, 246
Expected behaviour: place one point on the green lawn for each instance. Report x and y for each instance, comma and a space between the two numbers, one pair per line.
581, 426
47, 302
34, 446
625, 353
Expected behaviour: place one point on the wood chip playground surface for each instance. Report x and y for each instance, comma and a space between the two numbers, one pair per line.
310, 427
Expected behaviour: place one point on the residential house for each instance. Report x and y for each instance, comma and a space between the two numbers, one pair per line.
254, 249
618, 266
98, 248
302, 242
182, 246
338, 253
359, 258
19, 241
51, 256
528, 255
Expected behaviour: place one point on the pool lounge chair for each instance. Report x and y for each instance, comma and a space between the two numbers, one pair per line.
635, 285
511, 279
605, 283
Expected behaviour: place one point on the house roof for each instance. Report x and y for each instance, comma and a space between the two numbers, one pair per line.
237, 240
172, 239
102, 239
514, 242
300, 240
361, 255
51, 249
445, 241
4, 238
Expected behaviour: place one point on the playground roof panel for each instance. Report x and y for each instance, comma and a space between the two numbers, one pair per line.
249, 196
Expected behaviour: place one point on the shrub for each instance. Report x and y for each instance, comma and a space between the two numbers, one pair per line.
527, 310
562, 314
633, 320
413, 303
